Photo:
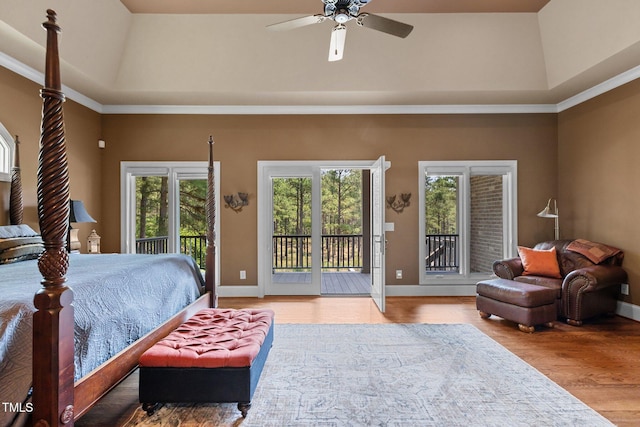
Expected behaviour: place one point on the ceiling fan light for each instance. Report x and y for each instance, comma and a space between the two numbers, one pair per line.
341, 17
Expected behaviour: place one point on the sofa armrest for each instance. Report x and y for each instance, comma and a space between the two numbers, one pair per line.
589, 291
508, 268
594, 278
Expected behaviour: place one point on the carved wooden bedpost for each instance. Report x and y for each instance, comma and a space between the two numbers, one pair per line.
210, 274
53, 369
15, 201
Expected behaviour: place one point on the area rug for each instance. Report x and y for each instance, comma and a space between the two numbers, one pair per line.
390, 375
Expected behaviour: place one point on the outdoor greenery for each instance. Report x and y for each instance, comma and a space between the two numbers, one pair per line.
341, 220
291, 206
152, 215
441, 200
152, 207
341, 203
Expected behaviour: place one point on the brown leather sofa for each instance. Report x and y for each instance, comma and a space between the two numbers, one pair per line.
586, 288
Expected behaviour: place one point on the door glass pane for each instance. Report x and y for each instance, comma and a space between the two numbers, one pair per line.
152, 215
345, 271
291, 235
193, 219
486, 222
441, 223
341, 220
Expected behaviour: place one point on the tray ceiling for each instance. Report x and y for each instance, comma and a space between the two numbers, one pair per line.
208, 53
313, 6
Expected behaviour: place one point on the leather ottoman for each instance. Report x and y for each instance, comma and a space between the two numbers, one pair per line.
524, 303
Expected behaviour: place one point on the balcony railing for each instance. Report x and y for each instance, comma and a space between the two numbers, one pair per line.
442, 253
339, 252
196, 246
293, 252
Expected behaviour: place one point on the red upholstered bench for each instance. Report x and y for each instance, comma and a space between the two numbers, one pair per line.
215, 356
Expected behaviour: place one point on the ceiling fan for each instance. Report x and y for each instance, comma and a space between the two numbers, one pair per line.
342, 11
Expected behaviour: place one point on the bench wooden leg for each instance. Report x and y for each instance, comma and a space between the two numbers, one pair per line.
244, 407
151, 408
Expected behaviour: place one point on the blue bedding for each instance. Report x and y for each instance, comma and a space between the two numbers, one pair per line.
117, 299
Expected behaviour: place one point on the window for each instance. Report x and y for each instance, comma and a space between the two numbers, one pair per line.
467, 219
6, 154
163, 208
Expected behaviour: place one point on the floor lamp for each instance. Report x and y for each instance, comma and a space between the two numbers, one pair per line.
548, 213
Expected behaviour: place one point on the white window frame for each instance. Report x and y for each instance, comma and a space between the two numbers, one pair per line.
465, 169
175, 171
7, 148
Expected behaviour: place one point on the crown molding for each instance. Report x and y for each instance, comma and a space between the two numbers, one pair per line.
599, 89
328, 109
36, 76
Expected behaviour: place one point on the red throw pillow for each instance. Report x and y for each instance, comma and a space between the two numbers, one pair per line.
539, 262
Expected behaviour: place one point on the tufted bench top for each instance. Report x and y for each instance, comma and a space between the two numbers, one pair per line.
212, 338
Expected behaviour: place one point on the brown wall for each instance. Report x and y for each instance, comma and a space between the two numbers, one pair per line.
593, 147
241, 141
599, 175
20, 113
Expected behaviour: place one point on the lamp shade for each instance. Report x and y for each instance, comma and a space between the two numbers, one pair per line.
78, 213
547, 212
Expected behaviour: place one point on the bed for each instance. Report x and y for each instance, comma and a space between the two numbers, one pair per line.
73, 326
130, 296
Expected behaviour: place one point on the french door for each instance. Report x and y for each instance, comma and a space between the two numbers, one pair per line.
295, 236
291, 243
378, 240
164, 210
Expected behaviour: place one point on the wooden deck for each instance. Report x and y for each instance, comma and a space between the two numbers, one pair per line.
333, 283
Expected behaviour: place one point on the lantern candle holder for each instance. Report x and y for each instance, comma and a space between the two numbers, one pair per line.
93, 243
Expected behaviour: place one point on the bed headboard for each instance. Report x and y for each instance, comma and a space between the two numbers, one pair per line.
15, 200
11, 207
5, 188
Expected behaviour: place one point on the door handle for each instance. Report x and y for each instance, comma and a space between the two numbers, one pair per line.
380, 240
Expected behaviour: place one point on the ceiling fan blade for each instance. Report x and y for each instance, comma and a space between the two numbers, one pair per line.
386, 25
297, 23
338, 37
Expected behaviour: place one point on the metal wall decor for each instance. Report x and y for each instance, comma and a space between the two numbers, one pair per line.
236, 201
398, 205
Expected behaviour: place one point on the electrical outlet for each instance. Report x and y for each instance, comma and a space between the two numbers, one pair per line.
624, 289
398, 274
243, 275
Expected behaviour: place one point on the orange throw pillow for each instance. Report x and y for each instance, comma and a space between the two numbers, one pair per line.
539, 262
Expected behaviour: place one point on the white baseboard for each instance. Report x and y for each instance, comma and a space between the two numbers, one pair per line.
238, 291
631, 311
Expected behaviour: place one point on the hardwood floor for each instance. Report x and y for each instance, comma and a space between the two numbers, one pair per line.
597, 362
